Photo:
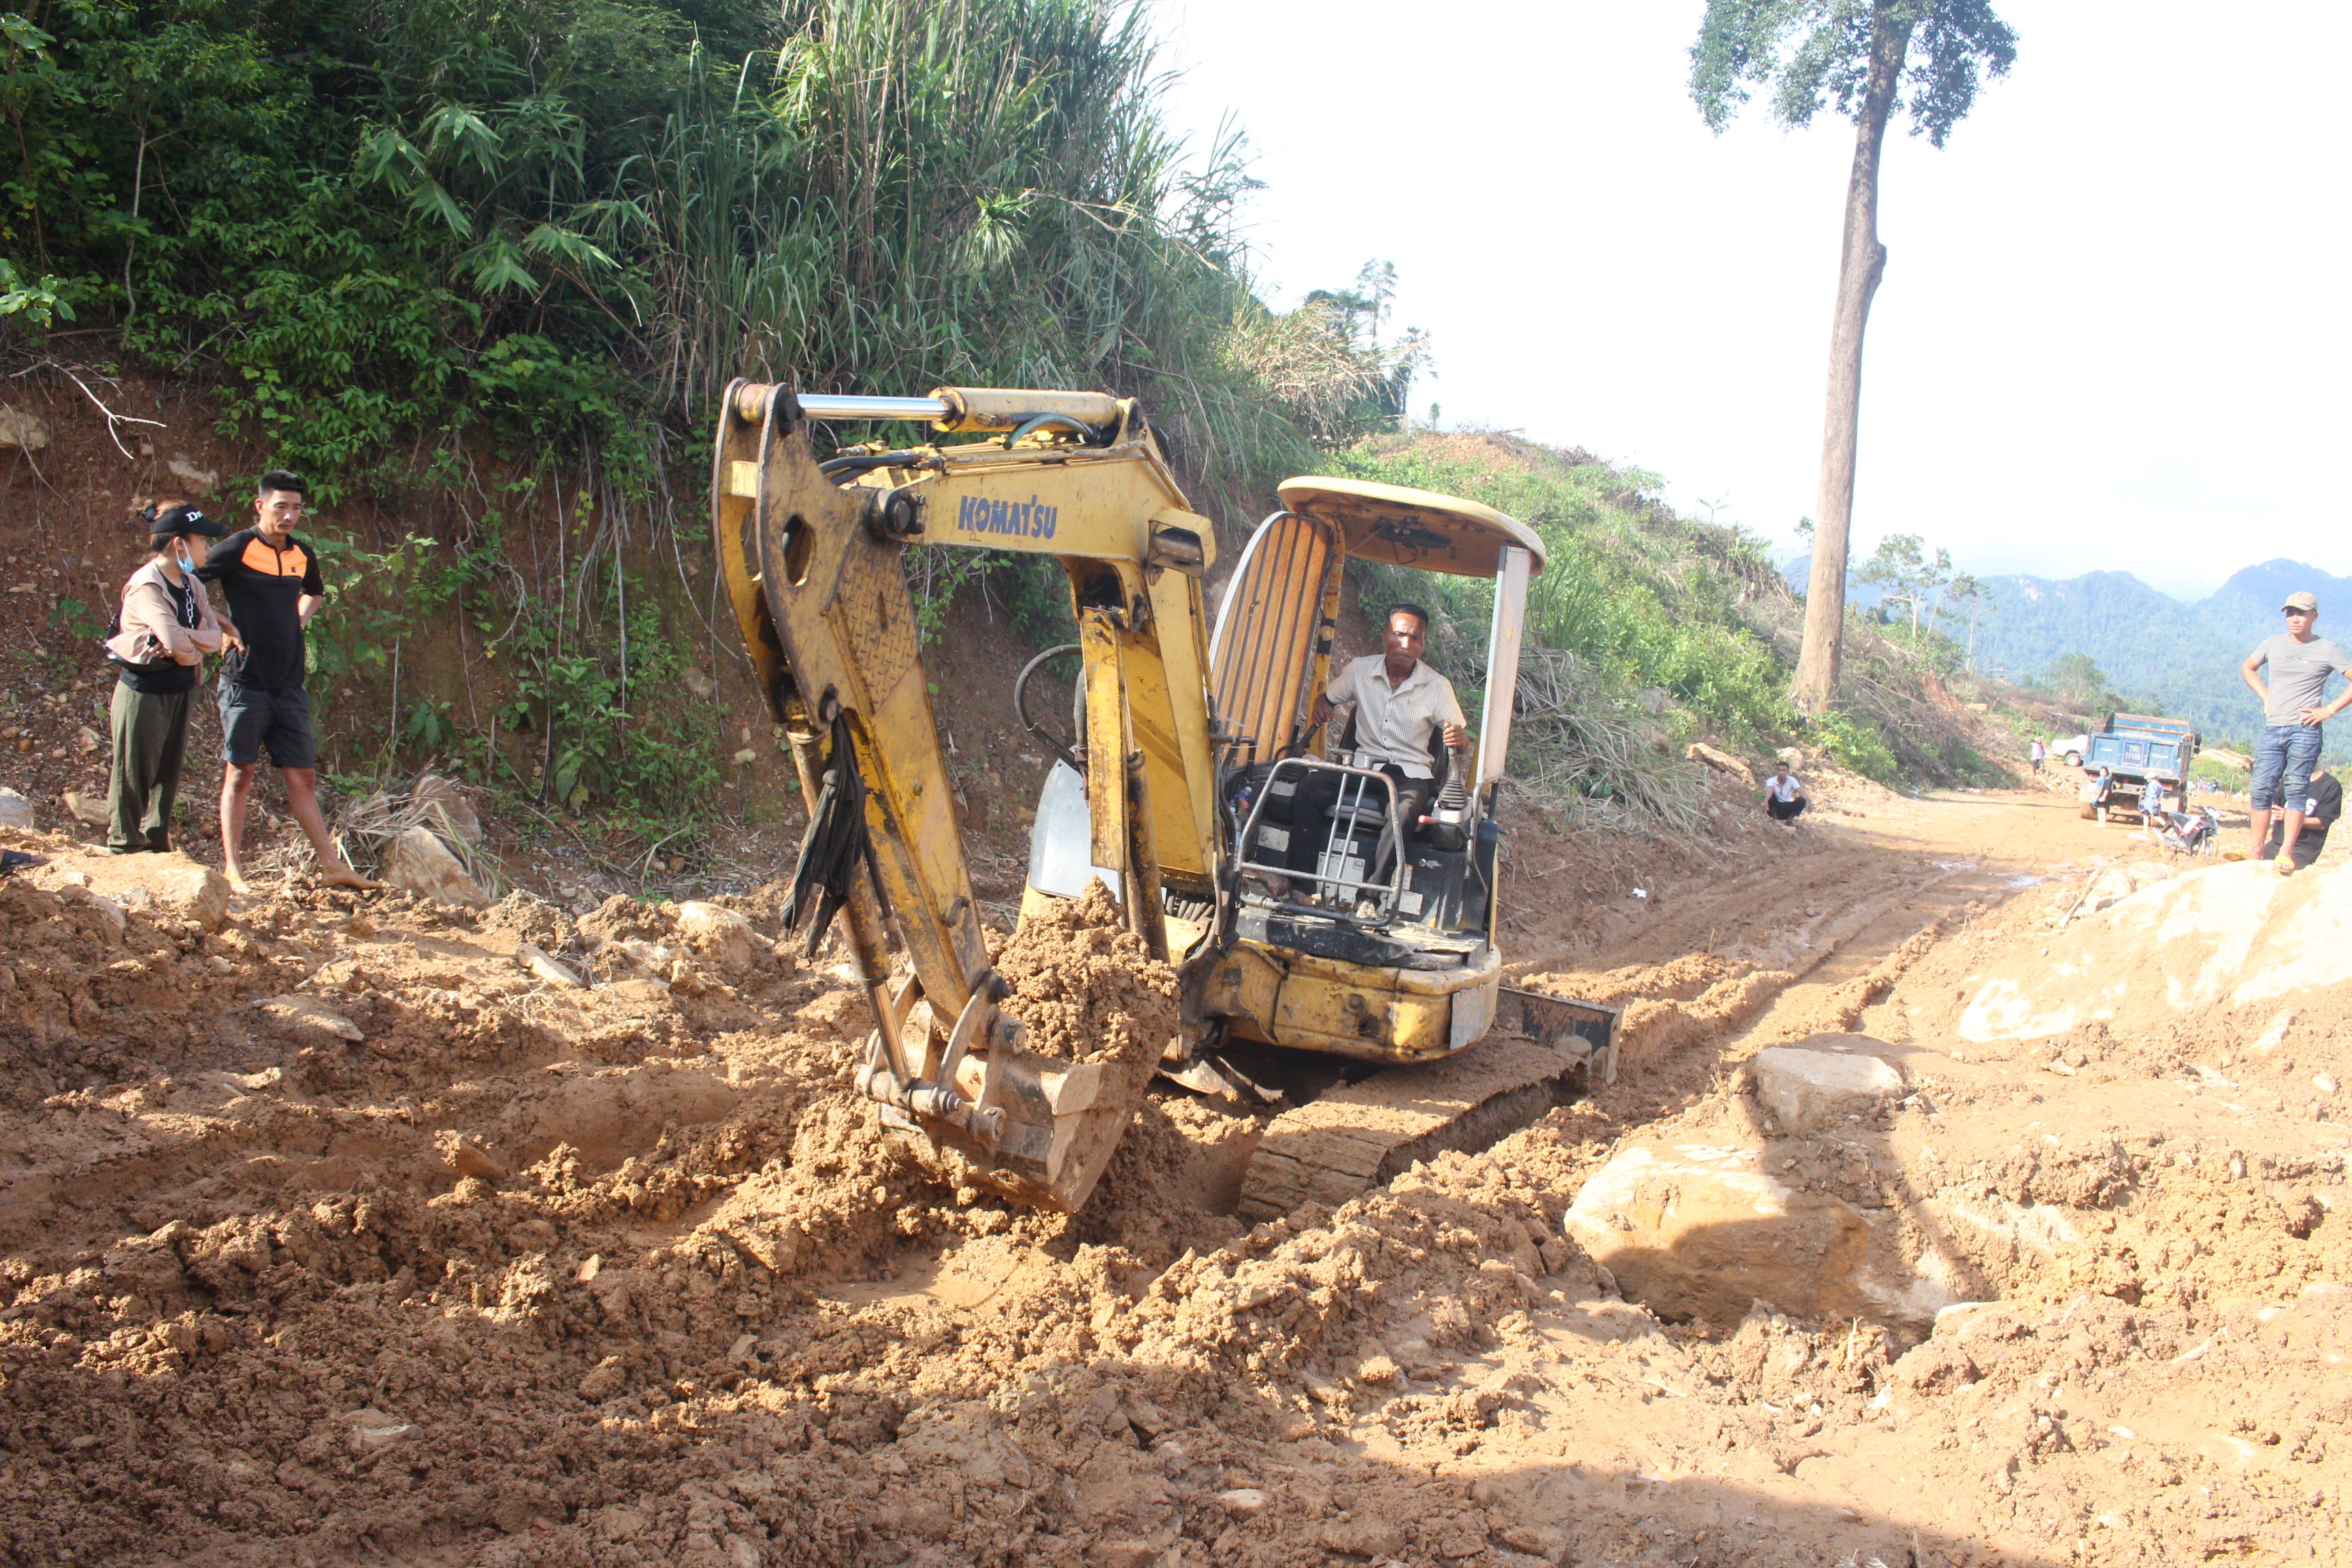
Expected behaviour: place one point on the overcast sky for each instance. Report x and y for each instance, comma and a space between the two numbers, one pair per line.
2113, 331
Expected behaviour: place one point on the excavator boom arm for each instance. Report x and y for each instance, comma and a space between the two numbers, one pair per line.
815, 574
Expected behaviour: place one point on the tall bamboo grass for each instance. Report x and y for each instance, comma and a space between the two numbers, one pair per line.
928, 192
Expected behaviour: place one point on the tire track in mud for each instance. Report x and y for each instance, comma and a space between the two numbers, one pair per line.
1877, 924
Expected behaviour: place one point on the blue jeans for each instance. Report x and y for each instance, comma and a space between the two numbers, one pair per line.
2283, 758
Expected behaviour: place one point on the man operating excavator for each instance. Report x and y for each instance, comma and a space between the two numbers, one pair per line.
1400, 701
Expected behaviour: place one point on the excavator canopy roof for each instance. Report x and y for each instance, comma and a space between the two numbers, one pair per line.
1419, 528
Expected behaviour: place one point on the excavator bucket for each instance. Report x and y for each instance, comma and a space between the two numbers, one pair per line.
1038, 1130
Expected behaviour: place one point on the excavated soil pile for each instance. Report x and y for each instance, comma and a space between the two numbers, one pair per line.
1084, 985
337, 1232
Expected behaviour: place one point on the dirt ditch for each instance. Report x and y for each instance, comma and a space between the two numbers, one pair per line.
337, 1231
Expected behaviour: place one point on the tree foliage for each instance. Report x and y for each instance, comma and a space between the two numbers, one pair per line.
1873, 59
1815, 54
398, 232
495, 259
1907, 576
2076, 677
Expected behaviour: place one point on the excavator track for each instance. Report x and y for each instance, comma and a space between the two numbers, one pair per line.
1362, 1136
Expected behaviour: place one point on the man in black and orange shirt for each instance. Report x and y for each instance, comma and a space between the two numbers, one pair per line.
270, 581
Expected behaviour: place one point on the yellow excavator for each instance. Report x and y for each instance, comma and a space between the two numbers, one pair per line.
1356, 989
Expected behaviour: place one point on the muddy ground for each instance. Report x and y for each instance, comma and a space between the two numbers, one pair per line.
337, 1230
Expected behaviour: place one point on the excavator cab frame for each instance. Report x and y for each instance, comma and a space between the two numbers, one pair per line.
1385, 951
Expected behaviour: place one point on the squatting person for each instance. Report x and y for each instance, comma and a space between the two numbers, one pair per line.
273, 586
1400, 702
1784, 795
2301, 664
161, 632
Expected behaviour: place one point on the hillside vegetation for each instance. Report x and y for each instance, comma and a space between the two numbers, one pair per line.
1647, 630
2106, 640
2155, 651
482, 269
404, 235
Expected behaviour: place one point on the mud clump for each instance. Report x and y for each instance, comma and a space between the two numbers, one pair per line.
1085, 986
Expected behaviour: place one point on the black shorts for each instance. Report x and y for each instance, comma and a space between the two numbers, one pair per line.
1785, 810
253, 720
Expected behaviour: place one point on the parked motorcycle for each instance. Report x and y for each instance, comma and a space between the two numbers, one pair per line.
2196, 832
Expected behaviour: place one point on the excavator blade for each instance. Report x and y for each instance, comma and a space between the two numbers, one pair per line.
1540, 1052
1580, 1029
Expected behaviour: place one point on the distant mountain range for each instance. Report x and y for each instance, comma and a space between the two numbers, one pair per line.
2186, 655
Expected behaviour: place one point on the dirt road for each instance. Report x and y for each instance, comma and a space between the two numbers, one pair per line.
336, 1234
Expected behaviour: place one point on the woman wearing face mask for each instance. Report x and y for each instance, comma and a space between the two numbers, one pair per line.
164, 629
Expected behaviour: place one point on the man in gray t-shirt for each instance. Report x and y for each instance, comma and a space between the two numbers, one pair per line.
2300, 665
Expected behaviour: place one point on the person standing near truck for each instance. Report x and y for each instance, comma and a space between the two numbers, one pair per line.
2300, 665
270, 579
2039, 752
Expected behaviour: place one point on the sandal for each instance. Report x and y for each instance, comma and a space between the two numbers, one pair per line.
18, 860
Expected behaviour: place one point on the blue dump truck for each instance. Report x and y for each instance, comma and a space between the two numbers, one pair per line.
2132, 749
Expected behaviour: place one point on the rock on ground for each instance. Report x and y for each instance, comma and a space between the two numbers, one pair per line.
2236, 934
1814, 1090
417, 861
1707, 1230
188, 888
718, 933
307, 1020
463, 819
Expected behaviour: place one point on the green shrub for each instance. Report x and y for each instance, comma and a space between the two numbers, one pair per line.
1641, 596
1854, 742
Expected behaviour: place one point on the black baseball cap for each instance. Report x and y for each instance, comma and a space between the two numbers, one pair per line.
175, 521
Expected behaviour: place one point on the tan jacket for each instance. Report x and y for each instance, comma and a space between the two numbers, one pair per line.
152, 633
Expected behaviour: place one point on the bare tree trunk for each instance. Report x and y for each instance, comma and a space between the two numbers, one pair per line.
1859, 270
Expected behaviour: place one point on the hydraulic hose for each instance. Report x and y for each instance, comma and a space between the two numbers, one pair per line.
865, 462
1021, 705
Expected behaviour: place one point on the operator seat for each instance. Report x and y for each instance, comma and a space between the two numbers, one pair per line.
1441, 769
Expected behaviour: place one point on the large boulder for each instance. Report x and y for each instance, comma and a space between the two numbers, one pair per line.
1812, 1090
1704, 1231
419, 862
171, 883
2238, 935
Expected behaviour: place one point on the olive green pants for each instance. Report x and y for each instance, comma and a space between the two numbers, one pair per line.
151, 737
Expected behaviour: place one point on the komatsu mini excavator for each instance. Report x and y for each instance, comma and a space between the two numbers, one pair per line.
1174, 789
